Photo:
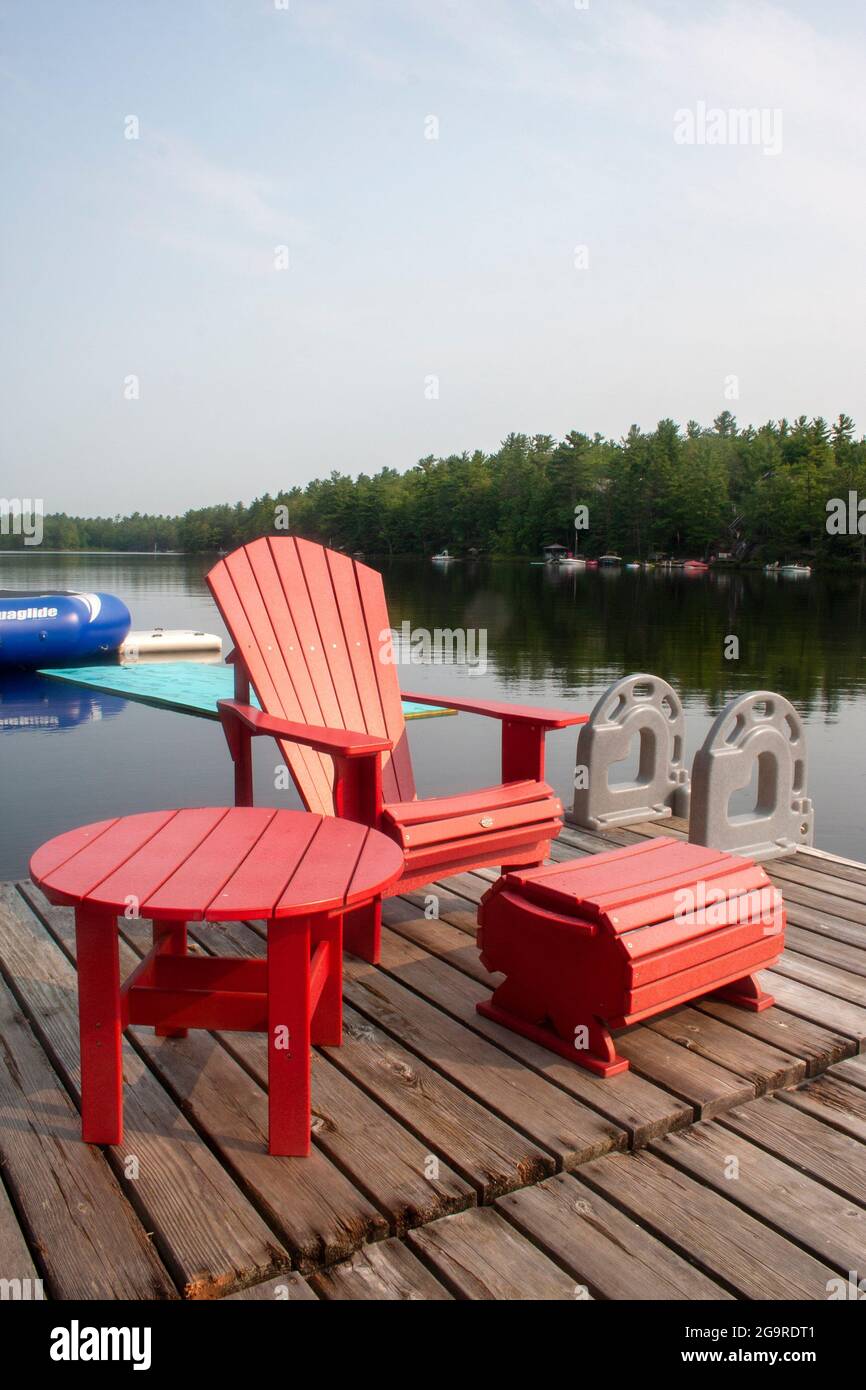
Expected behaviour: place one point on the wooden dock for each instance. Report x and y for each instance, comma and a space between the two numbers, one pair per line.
451, 1159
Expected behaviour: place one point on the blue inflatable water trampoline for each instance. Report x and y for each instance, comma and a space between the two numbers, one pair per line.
57, 627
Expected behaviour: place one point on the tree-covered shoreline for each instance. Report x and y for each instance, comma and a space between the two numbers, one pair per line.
760, 494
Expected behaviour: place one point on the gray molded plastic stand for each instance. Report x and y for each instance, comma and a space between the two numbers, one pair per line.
760, 726
638, 704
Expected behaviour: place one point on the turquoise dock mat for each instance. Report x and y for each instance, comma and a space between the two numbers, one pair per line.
190, 687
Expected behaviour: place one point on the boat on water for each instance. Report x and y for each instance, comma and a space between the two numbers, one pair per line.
610, 559
633, 565
561, 555
789, 571
695, 566
554, 553
443, 557
56, 627
592, 564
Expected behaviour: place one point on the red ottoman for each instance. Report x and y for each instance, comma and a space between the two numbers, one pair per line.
606, 941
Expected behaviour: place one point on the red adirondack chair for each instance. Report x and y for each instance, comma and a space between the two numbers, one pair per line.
310, 630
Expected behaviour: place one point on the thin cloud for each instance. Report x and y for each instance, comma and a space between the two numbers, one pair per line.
230, 217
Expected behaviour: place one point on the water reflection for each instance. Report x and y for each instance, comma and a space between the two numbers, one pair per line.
31, 703
553, 637
562, 628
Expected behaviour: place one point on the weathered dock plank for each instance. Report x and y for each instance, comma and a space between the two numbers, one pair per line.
707, 1087
524, 1099
822, 921
319, 1214
829, 978
765, 1066
287, 1287
747, 1256
836, 1159
837, 889
91, 1243
795, 1205
479, 1255
439, 1120
16, 1260
817, 1006
489, 1153
604, 1250
817, 1047
834, 1100
853, 1070
828, 949
632, 1103
378, 1154
388, 1271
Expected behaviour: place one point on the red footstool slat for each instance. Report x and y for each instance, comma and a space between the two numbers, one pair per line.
603, 942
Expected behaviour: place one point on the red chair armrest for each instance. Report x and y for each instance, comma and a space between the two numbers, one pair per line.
495, 709
338, 742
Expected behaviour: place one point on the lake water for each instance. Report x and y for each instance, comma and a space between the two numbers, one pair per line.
68, 755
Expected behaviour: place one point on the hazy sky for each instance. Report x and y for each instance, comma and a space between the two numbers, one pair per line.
307, 127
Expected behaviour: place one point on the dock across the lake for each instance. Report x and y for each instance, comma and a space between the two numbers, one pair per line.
451, 1158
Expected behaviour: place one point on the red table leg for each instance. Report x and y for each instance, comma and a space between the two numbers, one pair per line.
289, 1036
362, 931
169, 939
326, 1026
99, 1026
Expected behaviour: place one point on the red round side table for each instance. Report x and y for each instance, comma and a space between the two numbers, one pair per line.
297, 871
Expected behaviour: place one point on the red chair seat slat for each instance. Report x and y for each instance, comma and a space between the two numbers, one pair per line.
490, 847
466, 803
481, 821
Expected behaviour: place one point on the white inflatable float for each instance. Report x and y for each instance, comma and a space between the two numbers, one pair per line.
166, 641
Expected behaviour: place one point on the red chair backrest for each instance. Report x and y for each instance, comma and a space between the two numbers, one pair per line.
311, 625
